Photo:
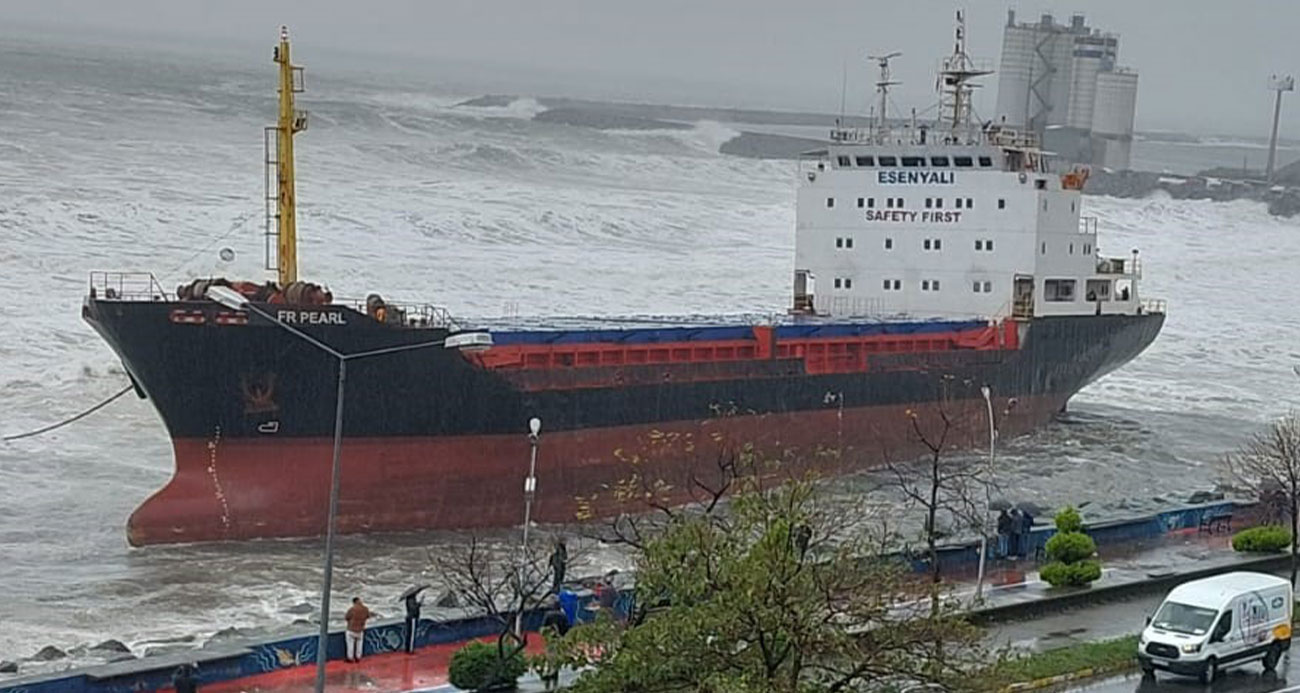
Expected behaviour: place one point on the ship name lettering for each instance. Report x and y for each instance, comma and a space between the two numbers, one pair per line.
915, 177
310, 317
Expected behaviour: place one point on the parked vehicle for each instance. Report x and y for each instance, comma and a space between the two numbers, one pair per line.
1207, 625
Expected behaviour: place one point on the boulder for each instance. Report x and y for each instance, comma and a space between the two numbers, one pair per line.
49, 653
111, 645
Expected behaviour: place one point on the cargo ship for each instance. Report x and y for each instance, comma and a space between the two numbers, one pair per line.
942, 272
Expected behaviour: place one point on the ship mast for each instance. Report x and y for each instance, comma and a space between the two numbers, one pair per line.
288, 123
955, 89
882, 87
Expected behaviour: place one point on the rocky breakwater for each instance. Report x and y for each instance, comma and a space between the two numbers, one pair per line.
1282, 198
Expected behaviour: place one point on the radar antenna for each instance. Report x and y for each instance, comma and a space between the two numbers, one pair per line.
954, 87
882, 87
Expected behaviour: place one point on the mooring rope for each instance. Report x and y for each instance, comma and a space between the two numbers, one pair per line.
69, 420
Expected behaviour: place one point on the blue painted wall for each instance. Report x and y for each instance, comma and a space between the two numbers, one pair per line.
386, 636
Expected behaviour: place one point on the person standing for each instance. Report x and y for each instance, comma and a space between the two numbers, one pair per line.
559, 565
1016, 523
356, 633
1026, 531
413, 603
1004, 533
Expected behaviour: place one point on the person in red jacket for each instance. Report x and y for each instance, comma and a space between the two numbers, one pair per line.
356, 633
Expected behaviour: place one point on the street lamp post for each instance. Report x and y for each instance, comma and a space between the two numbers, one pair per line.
988, 498
236, 301
530, 489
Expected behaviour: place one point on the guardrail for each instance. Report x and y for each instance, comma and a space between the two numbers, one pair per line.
127, 286
408, 314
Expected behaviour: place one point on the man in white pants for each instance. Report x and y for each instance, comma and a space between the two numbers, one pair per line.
356, 633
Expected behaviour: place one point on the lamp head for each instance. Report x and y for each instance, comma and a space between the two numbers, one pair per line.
227, 297
535, 426
984, 390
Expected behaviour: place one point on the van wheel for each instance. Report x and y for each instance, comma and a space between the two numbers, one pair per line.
1211, 670
1148, 671
1271, 659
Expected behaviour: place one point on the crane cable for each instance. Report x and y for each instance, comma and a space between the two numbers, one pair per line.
67, 421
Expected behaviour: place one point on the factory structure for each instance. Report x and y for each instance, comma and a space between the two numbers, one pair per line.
1064, 82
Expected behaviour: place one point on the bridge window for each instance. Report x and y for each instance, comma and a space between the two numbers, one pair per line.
988, 287
913, 161
893, 285
1002, 203
933, 244
866, 161
861, 202
887, 160
871, 202
929, 285
1040, 184
839, 242
830, 202
986, 162
959, 201
1087, 249
962, 161
843, 161
938, 161
938, 203
970, 203
848, 242
898, 202
929, 202
889, 202
1058, 290
889, 244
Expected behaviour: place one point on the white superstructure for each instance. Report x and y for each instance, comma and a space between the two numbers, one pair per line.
954, 220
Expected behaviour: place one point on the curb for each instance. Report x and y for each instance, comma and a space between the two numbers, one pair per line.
1091, 595
1050, 681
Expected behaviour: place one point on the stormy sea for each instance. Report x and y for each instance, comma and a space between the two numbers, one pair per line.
151, 160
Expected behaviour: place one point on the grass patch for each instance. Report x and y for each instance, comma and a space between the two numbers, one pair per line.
1105, 654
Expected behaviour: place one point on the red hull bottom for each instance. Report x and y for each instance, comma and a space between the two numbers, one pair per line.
225, 489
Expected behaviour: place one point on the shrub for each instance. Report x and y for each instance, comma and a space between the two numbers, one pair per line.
1058, 574
479, 666
1262, 539
1070, 547
1071, 552
1068, 520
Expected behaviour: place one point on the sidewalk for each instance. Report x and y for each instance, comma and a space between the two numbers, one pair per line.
392, 672
1133, 574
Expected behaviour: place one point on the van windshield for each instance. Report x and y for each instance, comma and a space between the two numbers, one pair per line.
1183, 618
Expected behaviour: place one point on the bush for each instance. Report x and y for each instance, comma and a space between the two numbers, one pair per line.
1068, 520
1058, 574
1070, 547
1262, 539
479, 666
1071, 552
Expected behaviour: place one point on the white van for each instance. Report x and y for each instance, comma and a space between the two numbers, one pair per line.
1206, 625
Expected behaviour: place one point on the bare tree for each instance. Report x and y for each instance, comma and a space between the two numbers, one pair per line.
945, 490
1268, 466
498, 582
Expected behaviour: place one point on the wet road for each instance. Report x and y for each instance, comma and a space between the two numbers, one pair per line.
1249, 678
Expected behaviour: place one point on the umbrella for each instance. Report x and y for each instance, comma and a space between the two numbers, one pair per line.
412, 591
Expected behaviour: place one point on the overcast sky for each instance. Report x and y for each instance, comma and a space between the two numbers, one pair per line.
1203, 63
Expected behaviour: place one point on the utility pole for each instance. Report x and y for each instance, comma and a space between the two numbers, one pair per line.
1279, 85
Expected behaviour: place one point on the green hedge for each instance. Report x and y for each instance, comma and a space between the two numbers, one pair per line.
1262, 539
1070, 547
478, 666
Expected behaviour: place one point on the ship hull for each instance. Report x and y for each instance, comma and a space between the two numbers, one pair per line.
433, 440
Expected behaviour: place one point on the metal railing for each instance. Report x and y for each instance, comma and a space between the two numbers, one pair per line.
1151, 305
408, 314
127, 286
1130, 266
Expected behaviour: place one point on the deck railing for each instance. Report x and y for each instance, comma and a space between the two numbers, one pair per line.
127, 286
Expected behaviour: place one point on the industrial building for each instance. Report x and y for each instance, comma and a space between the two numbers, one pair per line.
1063, 82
